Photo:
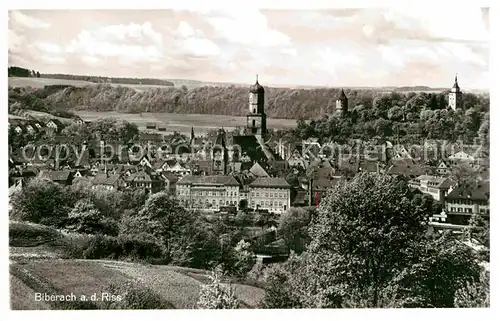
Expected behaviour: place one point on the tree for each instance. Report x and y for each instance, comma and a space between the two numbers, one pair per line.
216, 295
129, 132
244, 258
293, 228
474, 294
41, 201
369, 248
37, 74
86, 218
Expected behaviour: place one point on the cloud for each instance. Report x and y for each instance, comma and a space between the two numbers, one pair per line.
28, 21
193, 42
16, 41
246, 26
53, 60
49, 47
132, 42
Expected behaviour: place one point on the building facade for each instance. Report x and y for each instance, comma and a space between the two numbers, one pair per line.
437, 187
269, 193
465, 201
208, 192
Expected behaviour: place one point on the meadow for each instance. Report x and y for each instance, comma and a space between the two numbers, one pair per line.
182, 123
38, 264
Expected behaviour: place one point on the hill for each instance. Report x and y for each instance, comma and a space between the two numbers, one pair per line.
38, 265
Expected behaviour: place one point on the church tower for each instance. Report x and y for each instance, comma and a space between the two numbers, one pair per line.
256, 117
220, 155
455, 96
341, 104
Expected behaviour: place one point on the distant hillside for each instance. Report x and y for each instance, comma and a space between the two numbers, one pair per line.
214, 100
110, 80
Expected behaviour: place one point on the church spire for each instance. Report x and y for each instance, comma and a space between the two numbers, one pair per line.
455, 85
256, 78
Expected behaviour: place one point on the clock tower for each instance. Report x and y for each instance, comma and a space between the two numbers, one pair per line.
256, 117
220, 155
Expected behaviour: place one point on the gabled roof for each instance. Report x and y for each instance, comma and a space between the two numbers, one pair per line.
435, 181
104, 179
208, 180
62, 175
277, 182
479, 193
258, 171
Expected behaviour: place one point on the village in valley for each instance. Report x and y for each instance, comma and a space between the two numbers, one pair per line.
246, 169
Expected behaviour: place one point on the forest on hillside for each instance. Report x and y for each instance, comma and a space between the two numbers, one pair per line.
370, 113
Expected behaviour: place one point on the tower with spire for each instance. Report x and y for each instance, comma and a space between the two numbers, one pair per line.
341, 103
455, 96
220, 155
256, 117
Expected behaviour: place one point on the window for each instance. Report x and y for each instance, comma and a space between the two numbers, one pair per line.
258, 194
267, 194
253, 194
227, 202
261, 203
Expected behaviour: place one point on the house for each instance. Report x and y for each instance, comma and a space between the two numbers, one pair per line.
170, 182
151, 125
108, 182
443, 168
55, 125
437, 187
208, 192
64, 177
31, 129
78, 120
461, 157
172, 166
162, 128
467, 200
151, 182
270, 193
296, 159
405, 167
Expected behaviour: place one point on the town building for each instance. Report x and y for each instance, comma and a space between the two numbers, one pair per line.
467, 200
437, 187
270, 193
208, 192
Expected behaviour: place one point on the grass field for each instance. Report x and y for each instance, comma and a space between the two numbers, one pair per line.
183, 122
41, 82
37, 266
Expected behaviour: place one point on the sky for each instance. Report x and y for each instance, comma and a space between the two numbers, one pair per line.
324, 47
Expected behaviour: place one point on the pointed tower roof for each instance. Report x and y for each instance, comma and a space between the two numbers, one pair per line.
257, 88
342, 95
221, 137
455, 85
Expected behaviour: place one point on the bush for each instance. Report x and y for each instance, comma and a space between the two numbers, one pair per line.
217, 295
75, 245
135, 295
103, 247
141, 247
26, 234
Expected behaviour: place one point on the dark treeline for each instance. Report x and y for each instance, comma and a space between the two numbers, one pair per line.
127, 81
22, 72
